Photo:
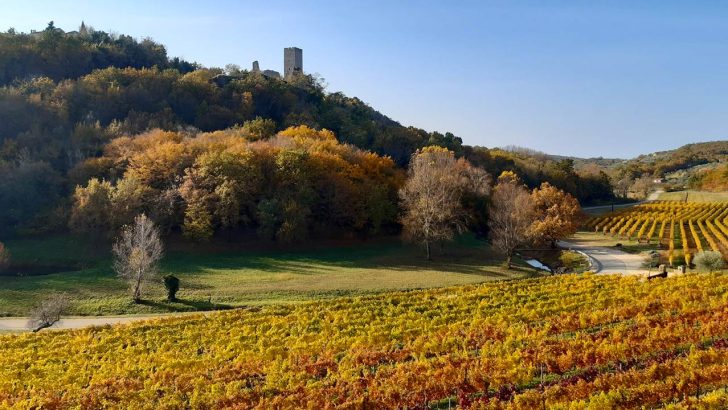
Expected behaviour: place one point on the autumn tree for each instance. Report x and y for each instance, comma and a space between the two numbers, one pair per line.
219, 190
557, 214
137, 252
432, 196
642, 186
511, 215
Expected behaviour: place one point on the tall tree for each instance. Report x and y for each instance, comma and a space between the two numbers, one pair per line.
137, 253
557, 214
432, 195
511, 215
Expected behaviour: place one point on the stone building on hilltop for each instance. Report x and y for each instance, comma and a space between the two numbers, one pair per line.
292, 66
292, 62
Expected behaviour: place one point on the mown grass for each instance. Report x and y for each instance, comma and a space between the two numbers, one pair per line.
599, 239
693, 196
231, 276
605, 209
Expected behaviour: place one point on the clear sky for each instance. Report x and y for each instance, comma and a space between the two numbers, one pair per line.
612, 79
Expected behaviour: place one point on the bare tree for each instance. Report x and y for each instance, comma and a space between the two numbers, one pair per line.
431, 197
137, 253
642, 186
511, 215
48, 312
621, 186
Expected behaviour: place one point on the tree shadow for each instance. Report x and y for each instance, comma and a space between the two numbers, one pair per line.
186, 305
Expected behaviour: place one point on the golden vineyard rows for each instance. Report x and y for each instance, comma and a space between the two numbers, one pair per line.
571, 342
692, 227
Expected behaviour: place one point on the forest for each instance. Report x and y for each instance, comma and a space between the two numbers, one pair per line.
90, 116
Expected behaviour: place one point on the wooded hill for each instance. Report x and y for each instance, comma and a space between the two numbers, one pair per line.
658, 164
66, 96
696, 166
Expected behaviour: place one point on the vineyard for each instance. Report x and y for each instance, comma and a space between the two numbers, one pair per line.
683, 228
560, 342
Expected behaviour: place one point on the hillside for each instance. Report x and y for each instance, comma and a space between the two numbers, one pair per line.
57, 124
691, 158
561, 342
697, 166
61, 55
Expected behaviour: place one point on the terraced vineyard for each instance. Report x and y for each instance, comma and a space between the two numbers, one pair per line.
689, 227
584, 341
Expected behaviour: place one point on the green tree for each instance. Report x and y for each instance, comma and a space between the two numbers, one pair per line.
91, 212
709, 261
259, 128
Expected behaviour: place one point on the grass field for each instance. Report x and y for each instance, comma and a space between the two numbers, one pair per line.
605, 209
599, 239
694, 196
230, 277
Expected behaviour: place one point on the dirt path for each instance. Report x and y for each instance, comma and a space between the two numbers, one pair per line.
16, 324
608, 260
654, 195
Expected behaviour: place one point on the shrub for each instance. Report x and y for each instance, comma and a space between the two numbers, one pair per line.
709, 260
573, 261
171, 283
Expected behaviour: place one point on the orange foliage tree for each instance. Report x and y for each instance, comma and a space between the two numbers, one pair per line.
300, 182
557, 214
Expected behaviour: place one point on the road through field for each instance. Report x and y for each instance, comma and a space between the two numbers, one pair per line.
608, 260
19, 324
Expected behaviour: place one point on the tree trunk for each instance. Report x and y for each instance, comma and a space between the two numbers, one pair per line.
42, 326
427, 247
508, 261
137, 293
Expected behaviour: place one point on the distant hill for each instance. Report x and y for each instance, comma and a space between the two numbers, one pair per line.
688, 156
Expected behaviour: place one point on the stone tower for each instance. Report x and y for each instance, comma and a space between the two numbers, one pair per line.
292, 62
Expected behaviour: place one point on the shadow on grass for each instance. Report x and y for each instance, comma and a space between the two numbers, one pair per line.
465, 257
184, 305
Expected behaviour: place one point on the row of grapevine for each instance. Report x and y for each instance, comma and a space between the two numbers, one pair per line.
587, 341
697, 223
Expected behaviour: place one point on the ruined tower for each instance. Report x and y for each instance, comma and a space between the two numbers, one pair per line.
292, 62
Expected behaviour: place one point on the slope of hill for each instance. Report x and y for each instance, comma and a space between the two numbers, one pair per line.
56, 116
658, 164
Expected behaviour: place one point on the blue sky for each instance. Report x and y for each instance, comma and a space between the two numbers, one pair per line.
612, 79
